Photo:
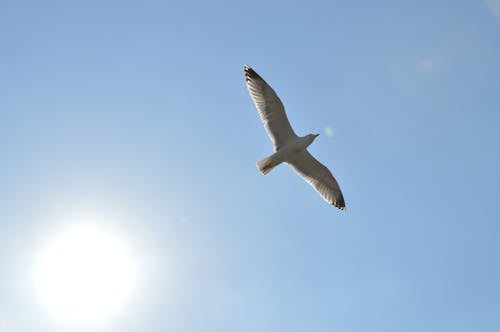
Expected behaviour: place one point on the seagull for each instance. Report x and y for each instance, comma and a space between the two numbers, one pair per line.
289, 148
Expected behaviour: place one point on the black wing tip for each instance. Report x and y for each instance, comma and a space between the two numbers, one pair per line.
250, 73
340, 204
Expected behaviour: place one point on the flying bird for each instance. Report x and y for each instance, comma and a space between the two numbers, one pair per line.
289, 148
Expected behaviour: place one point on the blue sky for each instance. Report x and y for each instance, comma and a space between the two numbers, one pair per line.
134, 115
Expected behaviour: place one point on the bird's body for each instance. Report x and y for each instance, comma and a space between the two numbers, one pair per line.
290, 148
286, 153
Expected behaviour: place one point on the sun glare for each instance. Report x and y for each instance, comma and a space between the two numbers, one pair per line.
84, 276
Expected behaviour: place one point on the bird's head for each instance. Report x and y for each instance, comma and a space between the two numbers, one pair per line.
311, 137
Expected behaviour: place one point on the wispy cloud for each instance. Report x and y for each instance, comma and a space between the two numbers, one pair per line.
494, 6
428, 64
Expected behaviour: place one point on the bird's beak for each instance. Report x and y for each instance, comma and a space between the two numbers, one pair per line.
316, 135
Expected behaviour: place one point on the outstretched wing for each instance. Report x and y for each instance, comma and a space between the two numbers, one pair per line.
270, 107
318, 176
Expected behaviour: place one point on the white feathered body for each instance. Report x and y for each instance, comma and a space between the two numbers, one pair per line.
285, 153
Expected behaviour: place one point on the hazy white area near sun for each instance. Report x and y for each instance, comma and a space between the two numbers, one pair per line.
84, 275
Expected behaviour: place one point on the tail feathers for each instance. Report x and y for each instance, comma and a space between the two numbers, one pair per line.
266, 165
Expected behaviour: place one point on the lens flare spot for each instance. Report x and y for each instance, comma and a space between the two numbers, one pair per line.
329, 131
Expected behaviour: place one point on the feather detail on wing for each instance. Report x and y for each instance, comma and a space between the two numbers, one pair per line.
270, 107
318, 176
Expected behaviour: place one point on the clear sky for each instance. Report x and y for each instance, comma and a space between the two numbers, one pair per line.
134, 116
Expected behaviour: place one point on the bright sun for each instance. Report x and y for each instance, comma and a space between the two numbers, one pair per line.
84, 275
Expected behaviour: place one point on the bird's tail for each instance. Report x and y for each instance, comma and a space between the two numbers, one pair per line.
266, 165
